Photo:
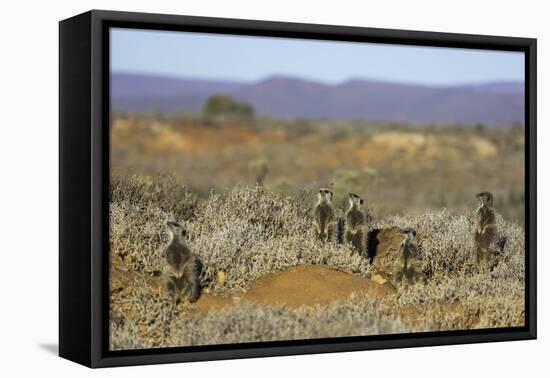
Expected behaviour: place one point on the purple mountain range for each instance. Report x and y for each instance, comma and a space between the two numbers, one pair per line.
494, 104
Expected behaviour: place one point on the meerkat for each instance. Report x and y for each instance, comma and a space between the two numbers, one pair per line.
181, 273
354, 227
485, 231
323, 215
408, 256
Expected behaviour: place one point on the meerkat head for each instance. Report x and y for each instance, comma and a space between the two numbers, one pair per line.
177, 231
355, 200
408, 233
485, 199
324, 195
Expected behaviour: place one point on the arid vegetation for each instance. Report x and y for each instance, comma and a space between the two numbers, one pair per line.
276, 203
246, 234
397, 169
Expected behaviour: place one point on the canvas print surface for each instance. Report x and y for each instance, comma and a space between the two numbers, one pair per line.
267, 189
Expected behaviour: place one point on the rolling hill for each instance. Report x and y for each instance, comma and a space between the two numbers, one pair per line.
494, 104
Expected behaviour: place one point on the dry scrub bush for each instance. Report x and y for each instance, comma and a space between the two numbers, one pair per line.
250, 231
447, 256
253, 323
163, 191
245, 233
447, 245
137, 234
140, 206
434, 308
482, 301
151, 314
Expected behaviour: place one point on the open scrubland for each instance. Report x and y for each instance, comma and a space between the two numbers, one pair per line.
396, 168
265, 276
245, 190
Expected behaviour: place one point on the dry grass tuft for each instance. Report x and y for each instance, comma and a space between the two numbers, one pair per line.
253, 323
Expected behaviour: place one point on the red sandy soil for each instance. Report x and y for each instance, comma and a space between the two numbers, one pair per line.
304, 285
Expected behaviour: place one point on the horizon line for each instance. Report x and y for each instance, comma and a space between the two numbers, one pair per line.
312, 80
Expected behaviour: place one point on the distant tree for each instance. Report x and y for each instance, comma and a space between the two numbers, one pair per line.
224, 106
245, 110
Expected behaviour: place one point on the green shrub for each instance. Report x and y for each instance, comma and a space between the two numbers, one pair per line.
226, 106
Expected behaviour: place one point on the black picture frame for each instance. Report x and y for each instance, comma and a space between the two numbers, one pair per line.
84, 183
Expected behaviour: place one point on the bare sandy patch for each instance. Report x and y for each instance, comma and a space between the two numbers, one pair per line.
304, 285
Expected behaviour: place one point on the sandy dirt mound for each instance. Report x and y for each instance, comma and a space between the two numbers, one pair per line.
310, 285
304, 285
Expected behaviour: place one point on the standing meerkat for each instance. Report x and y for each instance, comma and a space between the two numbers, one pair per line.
181, 273
408, 256
354, 228
323, 215
486, 230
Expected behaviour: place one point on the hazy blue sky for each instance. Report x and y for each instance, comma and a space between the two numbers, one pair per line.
210, 56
